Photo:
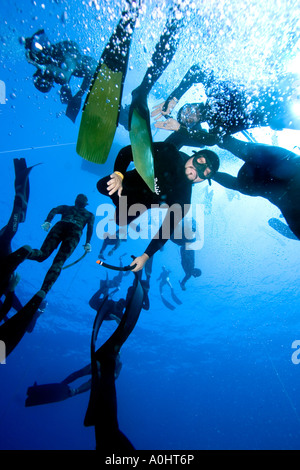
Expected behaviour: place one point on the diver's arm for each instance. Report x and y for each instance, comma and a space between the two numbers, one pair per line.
90, 228
171, 220
243, 150
123, 160
54, 212
195, 74
226, 180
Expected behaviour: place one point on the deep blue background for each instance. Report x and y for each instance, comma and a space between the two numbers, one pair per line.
215, 373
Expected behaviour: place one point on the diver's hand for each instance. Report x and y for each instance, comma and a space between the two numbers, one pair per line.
115, 184
158, 109
140, 262
87, 247
169, 125
45, 226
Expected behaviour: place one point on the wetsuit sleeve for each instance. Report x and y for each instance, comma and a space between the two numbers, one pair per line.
54, 212
174, 215
199, 138
90, 228
243, 150
196, 74
226, 180
123, 159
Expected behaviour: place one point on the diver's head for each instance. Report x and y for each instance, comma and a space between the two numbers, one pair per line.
38, 45
42, 82
190, 114
81, 201
203, 165
196, 272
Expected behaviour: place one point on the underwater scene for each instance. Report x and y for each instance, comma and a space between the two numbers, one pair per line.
149, 225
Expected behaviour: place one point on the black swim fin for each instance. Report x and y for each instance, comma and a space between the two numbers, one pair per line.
108, 352
167, 303
47, 393
73, 108
175, 298
10, 263
21, 187
282, 228
15, 328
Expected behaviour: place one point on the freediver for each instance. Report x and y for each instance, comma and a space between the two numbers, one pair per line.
66, 233
175, 172
57, 64
229, 108
270, 172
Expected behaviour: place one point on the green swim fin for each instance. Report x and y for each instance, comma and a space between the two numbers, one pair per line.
100, 113
141, 138
47, 393
13, 330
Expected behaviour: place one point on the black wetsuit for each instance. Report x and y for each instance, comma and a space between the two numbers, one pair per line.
68, 232
172, 187
270, 172
231, 108
7, 233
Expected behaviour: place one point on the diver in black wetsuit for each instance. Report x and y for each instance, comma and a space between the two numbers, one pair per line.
113, 241
229, 108
8, 232
175, 173
187, 254
58, 63
270, 172
66, 232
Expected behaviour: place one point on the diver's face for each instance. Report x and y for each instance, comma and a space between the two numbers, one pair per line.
191, 172
190, 115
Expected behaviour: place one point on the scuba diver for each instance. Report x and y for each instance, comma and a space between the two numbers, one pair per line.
58, 63
66, 232
165, 281
185, 239
229, 108
10, 279
270, 172
114, 308
114, 241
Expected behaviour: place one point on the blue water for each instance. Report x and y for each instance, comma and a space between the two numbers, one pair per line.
216, 372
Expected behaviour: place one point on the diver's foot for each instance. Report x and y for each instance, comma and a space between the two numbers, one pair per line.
182, 285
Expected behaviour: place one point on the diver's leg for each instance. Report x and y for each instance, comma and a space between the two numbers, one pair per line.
66, 249
163, 54
18, 214
50, 244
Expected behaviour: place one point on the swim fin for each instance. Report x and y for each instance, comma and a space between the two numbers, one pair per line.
47, 393
10, 263
15, 328
141, 137
108, 352
73, 108
21, 187
101, 109
282, 228
167, 304
175, 298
